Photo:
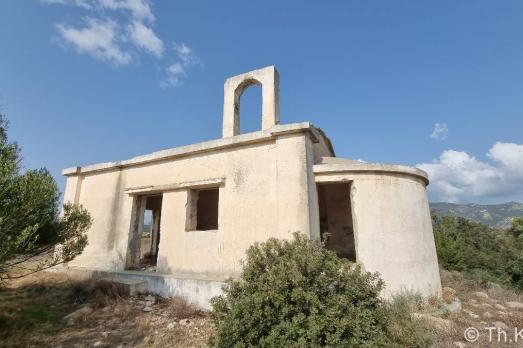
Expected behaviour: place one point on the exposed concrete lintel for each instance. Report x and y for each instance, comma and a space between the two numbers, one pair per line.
207, 146
175, 186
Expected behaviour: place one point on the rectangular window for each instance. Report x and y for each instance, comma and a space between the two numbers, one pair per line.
202, 209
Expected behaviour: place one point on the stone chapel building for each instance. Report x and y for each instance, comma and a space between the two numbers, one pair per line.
205, 204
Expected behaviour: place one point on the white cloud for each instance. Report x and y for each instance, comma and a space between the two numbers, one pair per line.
120, 39
174, 74
140, 9
184, 59
510, 156
440, 131
98, 39
81, 3
459, 177
144, 37
185, 54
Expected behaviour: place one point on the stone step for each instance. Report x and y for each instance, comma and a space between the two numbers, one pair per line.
129, 287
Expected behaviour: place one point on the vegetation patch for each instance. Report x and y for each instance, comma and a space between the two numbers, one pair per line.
481, 252
297, 293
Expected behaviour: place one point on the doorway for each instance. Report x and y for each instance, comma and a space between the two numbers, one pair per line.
145, 233
336, 226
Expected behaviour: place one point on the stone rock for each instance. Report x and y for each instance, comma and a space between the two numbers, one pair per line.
471, 314
459, 344
480, 294
502, 313
147, 309
500, 307
440, 324
487, 315
77, 314
500, 325
514, 305
105, 334
150, 298
170, 326
185, 322
453, 307
97, 344
448, 308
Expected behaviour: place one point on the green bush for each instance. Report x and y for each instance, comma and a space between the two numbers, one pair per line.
298, 294
484, 253
29, 223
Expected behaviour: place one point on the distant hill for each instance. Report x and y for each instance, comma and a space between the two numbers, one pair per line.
495, 215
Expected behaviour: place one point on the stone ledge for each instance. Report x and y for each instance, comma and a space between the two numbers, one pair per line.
176, 186
195, 288
351, 166
207, 146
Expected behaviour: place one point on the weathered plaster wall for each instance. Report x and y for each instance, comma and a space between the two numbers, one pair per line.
264, 195
99, 193
392, 228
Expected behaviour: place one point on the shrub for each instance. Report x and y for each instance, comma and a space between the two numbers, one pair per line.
29, 223
481, 252
297, 293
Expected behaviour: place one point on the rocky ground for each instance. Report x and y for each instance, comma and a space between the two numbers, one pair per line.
51, 310
471, 315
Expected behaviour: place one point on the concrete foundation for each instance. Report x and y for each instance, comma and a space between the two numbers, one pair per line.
196, 289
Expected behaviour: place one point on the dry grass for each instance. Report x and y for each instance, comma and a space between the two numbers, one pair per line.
181, 309
485, 309
31, 312
429, 326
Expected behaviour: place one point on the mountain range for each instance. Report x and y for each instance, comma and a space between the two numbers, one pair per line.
495, 215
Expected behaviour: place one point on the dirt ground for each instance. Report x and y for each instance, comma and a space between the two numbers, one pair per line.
483, 309
32, 312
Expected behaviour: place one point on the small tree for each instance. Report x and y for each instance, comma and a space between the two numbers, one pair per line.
29, 224
297, 293
482, 252
514, 253
516, 229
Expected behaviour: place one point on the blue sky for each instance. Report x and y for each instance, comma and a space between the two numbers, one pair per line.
437, 84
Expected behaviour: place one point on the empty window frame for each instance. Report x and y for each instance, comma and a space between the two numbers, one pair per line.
202, 209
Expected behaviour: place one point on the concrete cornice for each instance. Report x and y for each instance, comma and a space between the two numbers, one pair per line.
361, 167
207, 146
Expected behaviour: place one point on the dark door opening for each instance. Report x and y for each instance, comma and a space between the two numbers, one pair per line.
336, 219
145, 233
